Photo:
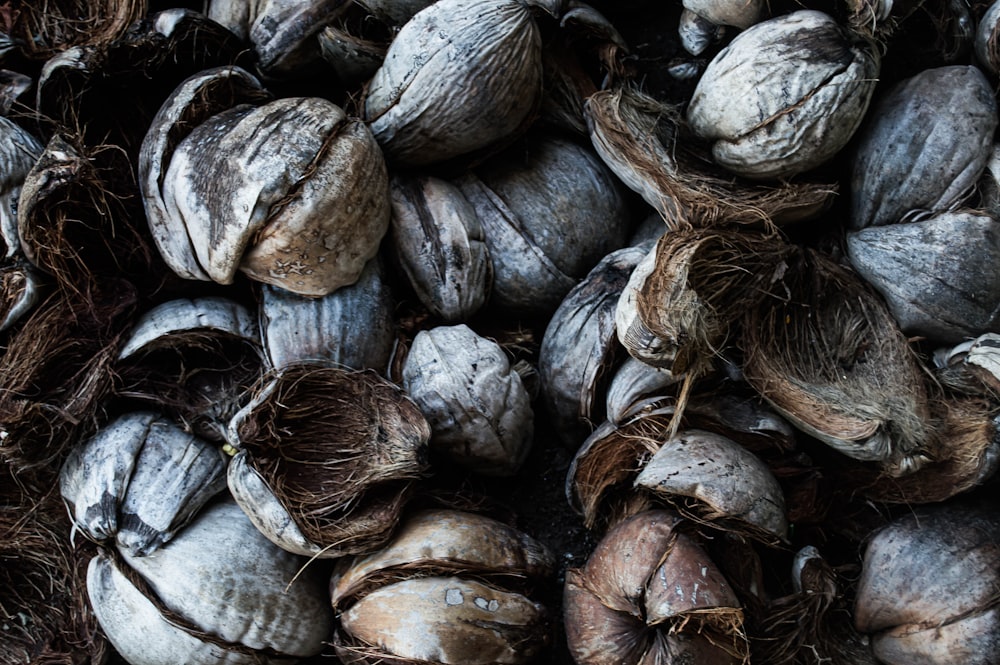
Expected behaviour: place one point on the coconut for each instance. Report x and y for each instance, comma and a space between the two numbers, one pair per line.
327, 458
830, 358
641, 140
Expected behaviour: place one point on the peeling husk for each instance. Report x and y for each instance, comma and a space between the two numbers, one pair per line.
73, 222
339, 449
191, 358
640, 139
831, 359
968, 456
650, 594
703, 280
44, 608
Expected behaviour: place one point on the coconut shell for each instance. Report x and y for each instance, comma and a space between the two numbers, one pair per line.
478, 409
218, 587
807, 84
41, 31
647, 575
438, 541
639, 139
915, 154
936, 275
460, 76
927, 591
579, 345
339, 449
830, 358
987, 46
727, 483
440, 244
353, 327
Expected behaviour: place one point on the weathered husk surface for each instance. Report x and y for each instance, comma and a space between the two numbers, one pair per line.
807, 84
218, 592
580, 345
550, 212
928, 587
831, 359
340, 450
439, 93
43, 607
638, 138
915, 153
937, 275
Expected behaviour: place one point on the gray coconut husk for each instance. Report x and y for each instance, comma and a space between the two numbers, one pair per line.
641, 140
340, 449
829, 357
43, 606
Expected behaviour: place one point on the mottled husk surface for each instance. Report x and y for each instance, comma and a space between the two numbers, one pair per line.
340, 449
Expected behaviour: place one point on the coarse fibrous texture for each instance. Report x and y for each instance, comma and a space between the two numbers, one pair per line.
43, 607
637, 136
42, 29
805, 83
460, 76
701, 282
827, 354
915, 155
338, 449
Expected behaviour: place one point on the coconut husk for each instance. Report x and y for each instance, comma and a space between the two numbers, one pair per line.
340, 450
80, 91
641, 140
200, 378
968, 455
811, 625
44, 28
57, 370
703, 281
43, 603
79, 218
830, 358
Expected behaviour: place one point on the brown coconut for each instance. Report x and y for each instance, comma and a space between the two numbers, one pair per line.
339, 450
829, 356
